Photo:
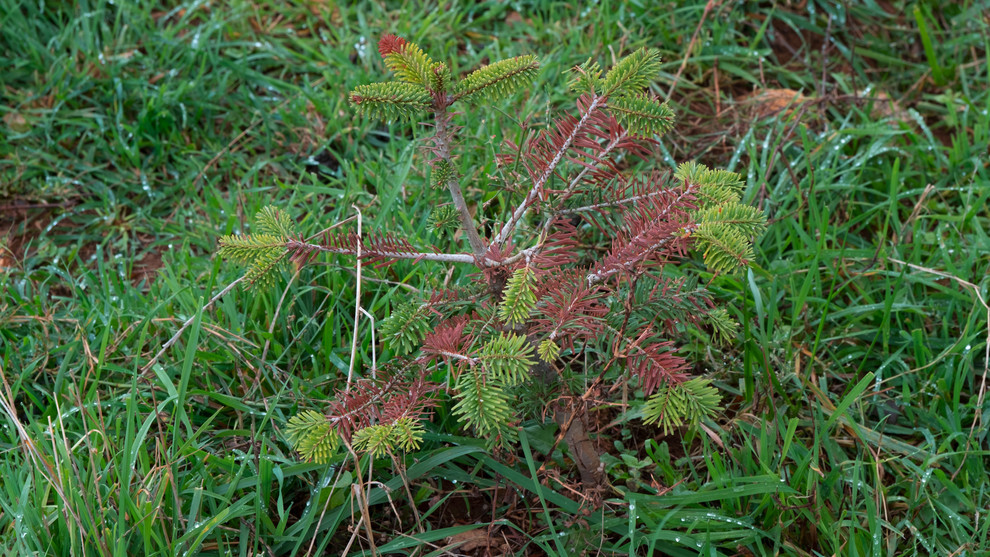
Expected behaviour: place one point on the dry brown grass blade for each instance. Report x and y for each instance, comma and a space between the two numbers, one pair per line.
711, 5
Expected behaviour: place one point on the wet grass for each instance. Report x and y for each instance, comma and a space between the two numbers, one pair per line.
133, 135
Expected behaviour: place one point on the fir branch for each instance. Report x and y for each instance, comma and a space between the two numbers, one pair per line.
390, 44
498, 80
579, 127
655, 186
519, 297
724, 327
642, 115
557, 250
507, 358
449, 340
483, 404
412, 400
407, 61
272, 221
632, 73
310, 434
405, 327
594, 141
587, 78
616, 142
263, 268
745, 219
384, 400
554, 218
444, 219
548, 350
726, 249
439, 79
359, 404
442, 173
676, 404
380, 439
347, 246
663, 223
246, 248
714, 186
569, 306
655, 362
264, 253
670, 302
389, 101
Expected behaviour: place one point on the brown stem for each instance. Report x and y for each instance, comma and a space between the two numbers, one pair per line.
443, 140
573, 421
538, 184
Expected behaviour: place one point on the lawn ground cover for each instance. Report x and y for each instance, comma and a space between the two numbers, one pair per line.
134, 135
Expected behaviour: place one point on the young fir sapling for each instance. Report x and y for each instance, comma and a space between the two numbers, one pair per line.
550, 305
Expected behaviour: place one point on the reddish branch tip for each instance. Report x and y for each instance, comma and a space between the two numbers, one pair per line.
389, 44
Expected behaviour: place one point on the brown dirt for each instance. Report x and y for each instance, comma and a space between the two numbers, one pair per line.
22, 221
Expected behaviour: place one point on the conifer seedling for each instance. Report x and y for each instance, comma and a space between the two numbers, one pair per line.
547, 306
